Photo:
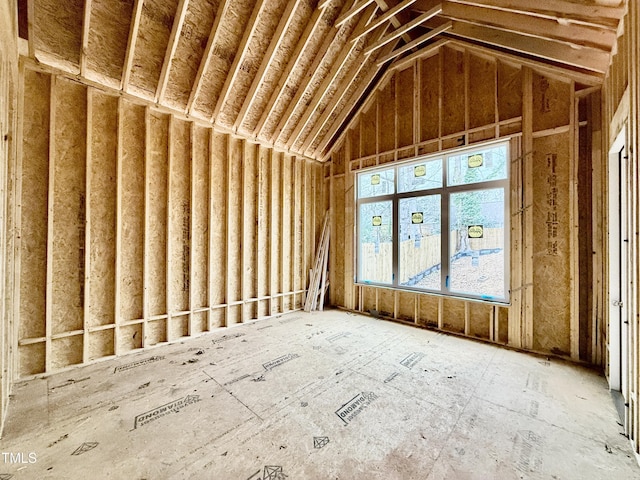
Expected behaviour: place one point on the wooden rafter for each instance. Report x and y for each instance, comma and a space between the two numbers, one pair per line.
252, 24
324, 4
354, 104
405, 28
382, 19
85, 36
524, 24
131, 43
328, 80
174, 38
318, 59
586, 58
267, 60
294, 60
206, 57
561, 11
418, 41
356, 9
342, 91
398, 19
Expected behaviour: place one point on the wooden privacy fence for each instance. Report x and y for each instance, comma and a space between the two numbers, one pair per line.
418, 257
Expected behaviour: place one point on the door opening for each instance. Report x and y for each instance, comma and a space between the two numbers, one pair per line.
617, 343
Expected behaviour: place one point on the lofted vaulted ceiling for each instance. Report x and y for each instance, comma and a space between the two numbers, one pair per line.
290, 73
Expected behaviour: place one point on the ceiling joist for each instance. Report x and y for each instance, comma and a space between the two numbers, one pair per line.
382, 19
357, 8
405, 28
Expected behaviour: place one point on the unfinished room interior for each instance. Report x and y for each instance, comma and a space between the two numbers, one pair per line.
319, 239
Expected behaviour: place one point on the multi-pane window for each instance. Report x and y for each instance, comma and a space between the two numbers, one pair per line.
437, 224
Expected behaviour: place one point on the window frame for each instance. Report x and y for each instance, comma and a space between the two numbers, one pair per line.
445, 191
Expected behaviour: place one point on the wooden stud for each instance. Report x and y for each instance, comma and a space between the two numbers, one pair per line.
50, 219
118, 269
174, 38
87, 231
252, 24
192, 202
574, 228
467, 330
131, 44
281, 229
169, 243
273, 202
212, 247
267, 60
146, 225
527, 187
227, 263
206, 57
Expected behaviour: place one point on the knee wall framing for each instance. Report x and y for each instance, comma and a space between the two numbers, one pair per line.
138, 227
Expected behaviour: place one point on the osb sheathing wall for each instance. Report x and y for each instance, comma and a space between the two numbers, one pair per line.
139, 228
621, 93
8, 115
457, 95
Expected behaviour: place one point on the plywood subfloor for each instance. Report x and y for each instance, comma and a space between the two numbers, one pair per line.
326, 395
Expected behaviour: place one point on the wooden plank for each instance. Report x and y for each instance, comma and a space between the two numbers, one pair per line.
382, 19
87, 215
252, 24
167, 231
267, 60
211, 247
85, 40
172, 45
272, 271
319, 57
146, 225
50, 220
418, 41
206, 57
348, 110
131, 44
561, 12
574, 228
523, 23
527, 187
592, 59
31, 22
296, 57
352, 12
326, 83
404, 29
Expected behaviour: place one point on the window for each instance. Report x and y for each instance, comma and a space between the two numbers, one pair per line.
437, 224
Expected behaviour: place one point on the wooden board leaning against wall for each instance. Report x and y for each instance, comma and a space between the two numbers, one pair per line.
458, 95
139, 227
